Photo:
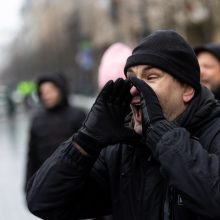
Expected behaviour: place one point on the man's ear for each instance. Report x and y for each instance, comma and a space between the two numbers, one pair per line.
188, 93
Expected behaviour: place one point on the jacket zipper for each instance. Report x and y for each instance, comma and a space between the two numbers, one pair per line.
171, 203
168, 208
165, 215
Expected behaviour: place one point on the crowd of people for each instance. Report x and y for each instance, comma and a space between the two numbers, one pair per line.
149, 148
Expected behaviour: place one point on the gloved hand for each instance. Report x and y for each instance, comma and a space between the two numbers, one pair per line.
154, 125
104, 124
150, 106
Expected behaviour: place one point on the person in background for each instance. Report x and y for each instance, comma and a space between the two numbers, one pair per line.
53, 123
209, 60
164, 167
112, 63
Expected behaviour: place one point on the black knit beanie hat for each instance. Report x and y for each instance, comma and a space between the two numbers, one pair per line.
212, 48
168, 51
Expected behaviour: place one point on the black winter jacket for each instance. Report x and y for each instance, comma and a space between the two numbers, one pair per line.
48, 130
50, 127
181, 181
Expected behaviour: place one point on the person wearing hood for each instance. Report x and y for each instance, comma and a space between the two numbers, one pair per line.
167, 166
53, 123
209, 60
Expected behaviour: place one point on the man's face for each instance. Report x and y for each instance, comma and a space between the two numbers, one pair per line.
169, 91
49, 94
209, 70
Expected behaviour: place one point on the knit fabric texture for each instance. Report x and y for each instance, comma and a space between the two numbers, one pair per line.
168, 51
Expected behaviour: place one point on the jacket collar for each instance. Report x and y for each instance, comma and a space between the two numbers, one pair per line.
201, 110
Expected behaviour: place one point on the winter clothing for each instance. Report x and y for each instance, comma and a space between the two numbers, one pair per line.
112, 63
149, 101
212, 48
152, 113
180, 181
50, 127
168, 51
93, 136
173, 173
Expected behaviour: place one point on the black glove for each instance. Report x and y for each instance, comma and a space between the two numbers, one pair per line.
154, 125
104, 124
151, 109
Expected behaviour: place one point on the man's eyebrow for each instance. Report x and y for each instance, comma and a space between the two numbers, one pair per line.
145, 68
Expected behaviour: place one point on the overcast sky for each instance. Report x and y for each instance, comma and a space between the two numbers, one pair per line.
9, 19
10, 22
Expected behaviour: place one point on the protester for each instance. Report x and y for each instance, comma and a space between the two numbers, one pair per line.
164, 167
53, 123
209, 60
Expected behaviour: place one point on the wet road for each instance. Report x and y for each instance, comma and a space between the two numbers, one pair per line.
13, 138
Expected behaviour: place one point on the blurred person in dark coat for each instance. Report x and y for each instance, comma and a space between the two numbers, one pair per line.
209, 61
53, 123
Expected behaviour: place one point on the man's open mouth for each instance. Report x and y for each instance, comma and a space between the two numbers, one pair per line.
136, 106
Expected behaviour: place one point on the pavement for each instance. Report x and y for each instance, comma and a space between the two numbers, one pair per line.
13, 137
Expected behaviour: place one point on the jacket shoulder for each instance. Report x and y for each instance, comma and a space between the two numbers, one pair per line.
76, 111
211, 134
